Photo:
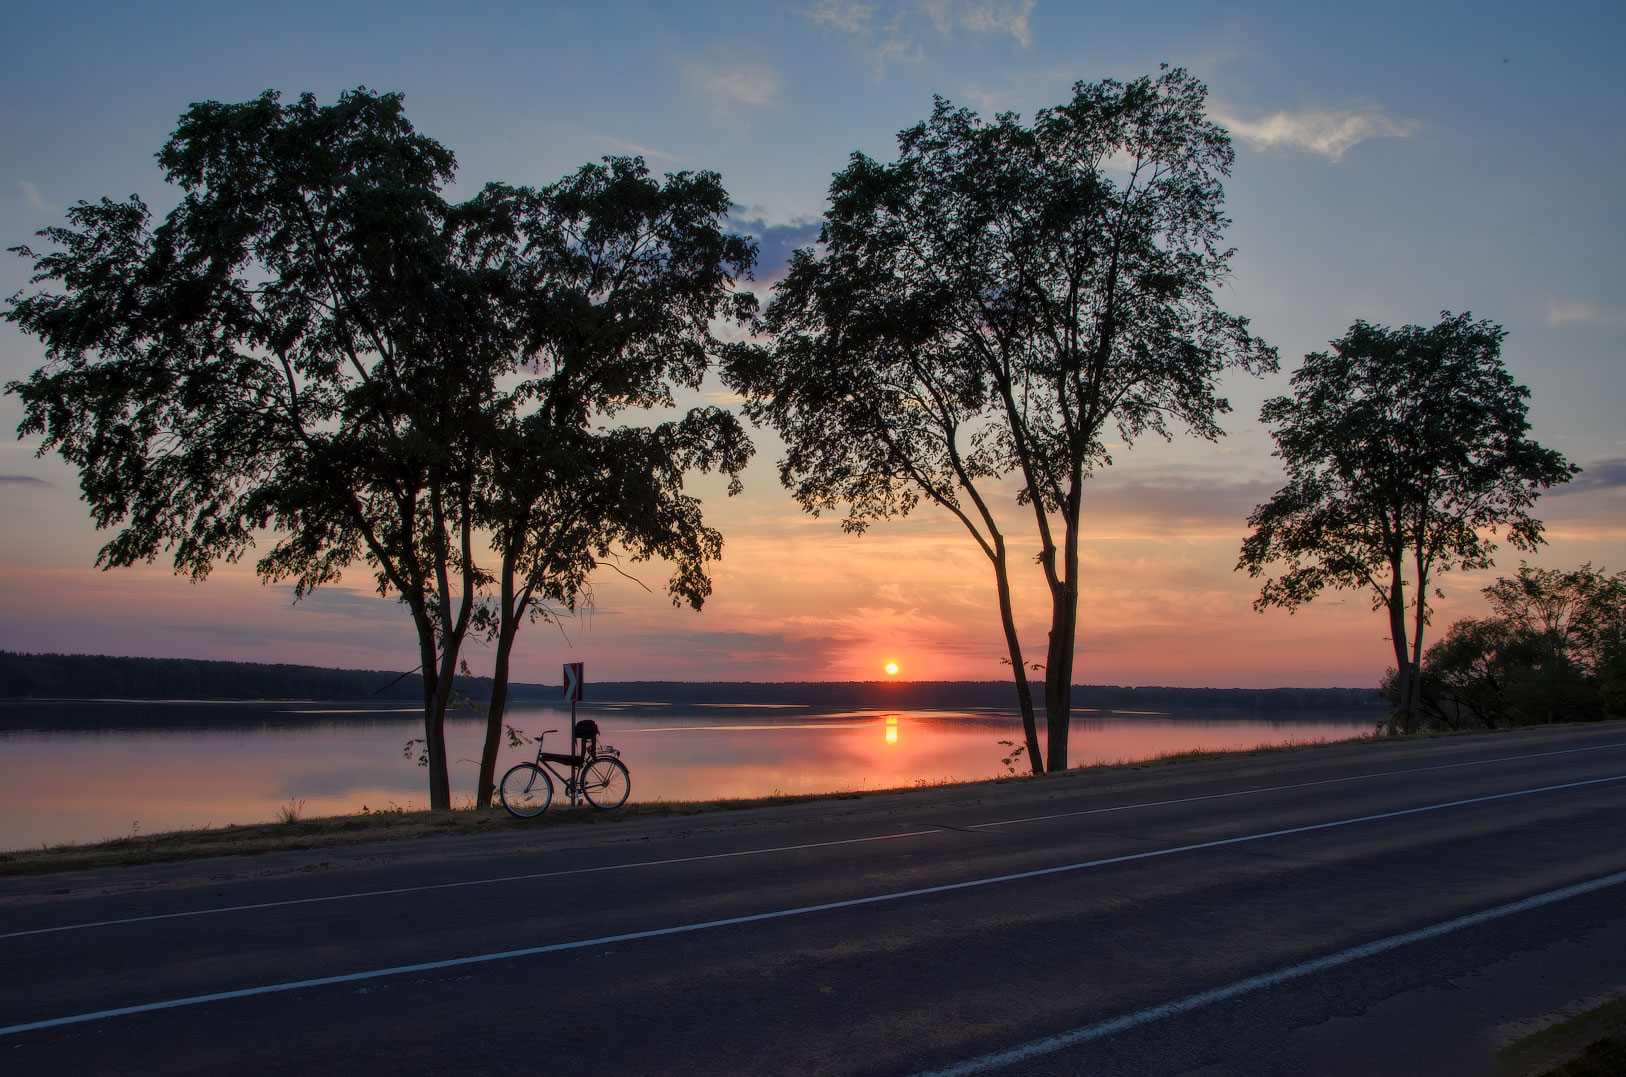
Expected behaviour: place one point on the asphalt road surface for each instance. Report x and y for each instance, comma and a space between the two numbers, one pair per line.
1381, 907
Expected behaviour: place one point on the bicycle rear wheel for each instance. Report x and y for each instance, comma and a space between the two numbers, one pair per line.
526, 790
606, 783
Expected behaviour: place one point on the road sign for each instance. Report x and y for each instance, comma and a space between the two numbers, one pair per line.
573, 681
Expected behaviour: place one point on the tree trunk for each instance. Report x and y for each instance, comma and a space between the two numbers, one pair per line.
1397, 635
434, 725
1024, 691
494, 716
1417, 647
1058, 671
507, 632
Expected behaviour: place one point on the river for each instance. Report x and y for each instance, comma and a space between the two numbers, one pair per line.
78, 771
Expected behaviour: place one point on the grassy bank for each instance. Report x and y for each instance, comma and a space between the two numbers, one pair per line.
293, 831
1590, 1044
337, 830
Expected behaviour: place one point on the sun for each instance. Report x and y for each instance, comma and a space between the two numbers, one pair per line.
891, 669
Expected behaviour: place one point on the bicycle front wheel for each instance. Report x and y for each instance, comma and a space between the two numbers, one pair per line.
606, 783
526, 790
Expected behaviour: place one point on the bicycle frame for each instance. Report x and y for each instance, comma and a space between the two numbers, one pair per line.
576, 763
596, 775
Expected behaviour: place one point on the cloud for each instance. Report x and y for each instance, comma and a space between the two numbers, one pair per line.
349, 602
775, 242
36, 201
985, 17
1581, 313
1175, 504
640, 151
747, 85
1594, 477
1328, 132
888, 30
848, 16
23, 480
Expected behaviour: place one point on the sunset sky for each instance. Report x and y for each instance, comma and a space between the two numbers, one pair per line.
1393, 160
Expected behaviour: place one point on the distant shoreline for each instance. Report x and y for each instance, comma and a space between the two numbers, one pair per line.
47, 677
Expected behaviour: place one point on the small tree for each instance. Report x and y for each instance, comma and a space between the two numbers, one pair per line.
999, 304
1580, 613
1405, 450
1550, 648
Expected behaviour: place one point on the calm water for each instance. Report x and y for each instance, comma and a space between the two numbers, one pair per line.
84, 771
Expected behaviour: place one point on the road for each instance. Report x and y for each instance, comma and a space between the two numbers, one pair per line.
1390, 907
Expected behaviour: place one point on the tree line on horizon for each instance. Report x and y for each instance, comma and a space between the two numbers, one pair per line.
83, 676
316, 346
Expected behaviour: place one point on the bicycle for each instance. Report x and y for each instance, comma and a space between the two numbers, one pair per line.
597, 774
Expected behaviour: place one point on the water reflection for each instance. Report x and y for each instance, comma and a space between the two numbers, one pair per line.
87, 771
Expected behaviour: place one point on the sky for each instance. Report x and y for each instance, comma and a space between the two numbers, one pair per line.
1393, 160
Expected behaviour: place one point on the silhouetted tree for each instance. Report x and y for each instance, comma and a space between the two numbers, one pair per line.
287, 349
317, 343
1000, 303
1550, 648
1404, 449
622, 278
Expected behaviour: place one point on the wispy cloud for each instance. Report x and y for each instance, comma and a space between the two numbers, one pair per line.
633, 148
22, 480
848, 16
889, 32
1594, 477
997, 17
738, 85
346, 602
1581, 313
36, 201
1175, 504
1328, 132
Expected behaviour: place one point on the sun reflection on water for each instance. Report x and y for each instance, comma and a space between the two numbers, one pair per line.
242, 763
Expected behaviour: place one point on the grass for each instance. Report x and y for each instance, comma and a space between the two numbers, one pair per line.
1590, 1044
292, 831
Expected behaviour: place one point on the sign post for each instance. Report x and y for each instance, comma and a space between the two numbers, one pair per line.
573, 692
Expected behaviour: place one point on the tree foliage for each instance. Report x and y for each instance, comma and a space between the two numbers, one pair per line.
1554, 646
624, 278
1001, 303
1406, 456
315, 343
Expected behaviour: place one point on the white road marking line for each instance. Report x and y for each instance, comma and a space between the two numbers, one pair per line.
1049, 1044
453, 886
774, 849
777, 914
1283, 788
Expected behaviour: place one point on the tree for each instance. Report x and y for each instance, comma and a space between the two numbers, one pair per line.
1550, 648
316, 342
1404, 450
1580, 613
623, 278
283, 351
997, 305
